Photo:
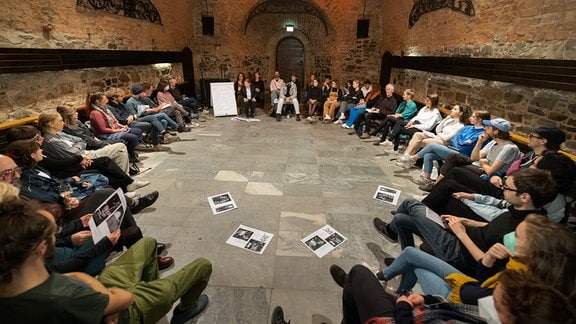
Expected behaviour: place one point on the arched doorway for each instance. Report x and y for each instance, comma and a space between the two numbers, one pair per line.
290, 59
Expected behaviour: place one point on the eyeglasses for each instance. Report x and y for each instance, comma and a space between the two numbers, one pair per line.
534, 136
505, 187
10, 172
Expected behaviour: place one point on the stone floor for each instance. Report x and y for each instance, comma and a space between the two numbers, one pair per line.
289, 179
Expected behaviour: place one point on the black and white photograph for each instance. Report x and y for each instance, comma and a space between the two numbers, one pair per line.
222, 203
243, 234
220, 199
250, 239
387, 195
316, 241
335, 239
108, 216
254, 245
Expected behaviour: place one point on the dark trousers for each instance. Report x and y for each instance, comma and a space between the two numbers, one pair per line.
369, 120
190, 105
458, 180
387, 125
396, 134
364, 298
249, 107
107, 167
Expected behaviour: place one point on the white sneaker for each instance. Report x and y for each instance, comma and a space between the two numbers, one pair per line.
137, 185
386, 143
339, 121
342, 116
309, 119
345, 126
326, 117
131, 194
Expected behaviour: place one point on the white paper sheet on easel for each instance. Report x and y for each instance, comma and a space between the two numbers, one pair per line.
222, 99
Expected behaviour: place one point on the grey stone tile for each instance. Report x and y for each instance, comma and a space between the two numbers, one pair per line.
324, 177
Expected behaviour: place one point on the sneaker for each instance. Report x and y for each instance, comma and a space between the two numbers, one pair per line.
427, 187
160, 148
339, 121
380, 275
339, 275
423, 181
327, 117
130, 194
278, 316
365, 136
169, 138
278, 117
310, 119
180, 316
405, 158
137, 185
384, 229
145, 201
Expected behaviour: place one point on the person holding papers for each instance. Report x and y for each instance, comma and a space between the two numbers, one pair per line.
128, 290
465, 241
150, 124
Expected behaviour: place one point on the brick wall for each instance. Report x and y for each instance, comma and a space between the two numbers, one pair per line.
513, 29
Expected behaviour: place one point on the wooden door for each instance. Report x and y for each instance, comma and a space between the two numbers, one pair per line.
290, 59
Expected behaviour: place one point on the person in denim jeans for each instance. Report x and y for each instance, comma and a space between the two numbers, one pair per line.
462, 242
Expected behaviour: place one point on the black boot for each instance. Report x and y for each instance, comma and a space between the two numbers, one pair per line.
278, 117
278, 316
298, 117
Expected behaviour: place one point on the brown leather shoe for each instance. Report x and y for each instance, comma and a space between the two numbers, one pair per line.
165, 262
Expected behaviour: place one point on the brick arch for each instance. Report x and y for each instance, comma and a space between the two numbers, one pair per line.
276, 38
288, 7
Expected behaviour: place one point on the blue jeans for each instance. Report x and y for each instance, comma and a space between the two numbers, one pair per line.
354, 113
415, 265
411, 219
432, 152
165, 118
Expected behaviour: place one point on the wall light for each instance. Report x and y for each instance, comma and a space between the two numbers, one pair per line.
289, 28
162, 66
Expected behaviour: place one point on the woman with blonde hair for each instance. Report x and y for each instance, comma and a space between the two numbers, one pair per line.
332, 102
60, 145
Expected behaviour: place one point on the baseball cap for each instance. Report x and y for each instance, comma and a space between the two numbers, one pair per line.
137, 88
552, 134
498, 123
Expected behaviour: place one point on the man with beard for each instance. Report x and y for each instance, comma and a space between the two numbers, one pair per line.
127, 291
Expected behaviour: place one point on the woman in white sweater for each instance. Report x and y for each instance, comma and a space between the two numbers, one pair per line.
446, 129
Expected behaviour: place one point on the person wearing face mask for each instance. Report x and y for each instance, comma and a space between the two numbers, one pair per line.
173, 109
542, 249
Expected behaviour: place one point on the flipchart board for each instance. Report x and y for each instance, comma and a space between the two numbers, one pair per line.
222, 98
